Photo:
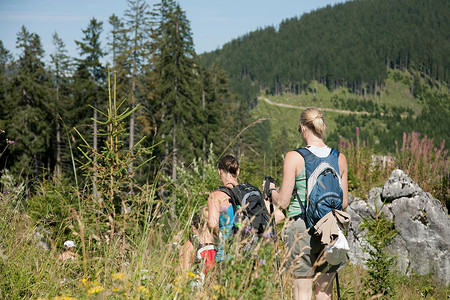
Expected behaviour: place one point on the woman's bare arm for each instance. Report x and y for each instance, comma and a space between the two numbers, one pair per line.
344, 179
293, 163
214, 210
278, 214
186, 256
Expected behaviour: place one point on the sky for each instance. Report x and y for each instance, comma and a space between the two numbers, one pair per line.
213, 22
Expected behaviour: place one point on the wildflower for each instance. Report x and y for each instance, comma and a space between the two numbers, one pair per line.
118, 276
267, 235
95, 290
262, 262
116, 289
9, 142
357, 131
190, 274
218, 288
143, 289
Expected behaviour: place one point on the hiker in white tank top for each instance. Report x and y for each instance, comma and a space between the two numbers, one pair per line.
312, 127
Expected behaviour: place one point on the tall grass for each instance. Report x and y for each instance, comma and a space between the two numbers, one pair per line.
426, 164
127, 236
365, 170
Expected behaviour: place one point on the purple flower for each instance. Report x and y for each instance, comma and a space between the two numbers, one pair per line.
357, 131
267, 235
9, 142
262, 262
247, 229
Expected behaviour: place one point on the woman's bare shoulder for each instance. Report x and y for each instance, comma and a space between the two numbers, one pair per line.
217, 196
293, 156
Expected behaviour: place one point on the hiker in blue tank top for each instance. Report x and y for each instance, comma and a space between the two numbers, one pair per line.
303, 249
220, 210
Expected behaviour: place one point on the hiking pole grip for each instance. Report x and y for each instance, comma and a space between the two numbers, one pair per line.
267, 195
268, 181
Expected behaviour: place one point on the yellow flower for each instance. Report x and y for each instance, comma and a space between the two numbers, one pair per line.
143, 289
118, 276
116, 289
218, 288
190, 274
95, 290
84, 280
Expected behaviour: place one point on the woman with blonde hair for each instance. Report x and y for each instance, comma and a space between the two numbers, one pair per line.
304, 250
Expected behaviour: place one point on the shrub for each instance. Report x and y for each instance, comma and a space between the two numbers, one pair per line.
427, 165
379, 233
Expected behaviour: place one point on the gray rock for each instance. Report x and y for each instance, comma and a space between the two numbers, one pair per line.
399, 185
422, 245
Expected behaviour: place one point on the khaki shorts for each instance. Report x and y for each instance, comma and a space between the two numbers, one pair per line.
304, 252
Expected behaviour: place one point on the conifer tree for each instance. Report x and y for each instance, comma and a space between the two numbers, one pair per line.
5, 60
60, 69
90, 48
135, 56
91, 77
115, 38
28, 111
176, 83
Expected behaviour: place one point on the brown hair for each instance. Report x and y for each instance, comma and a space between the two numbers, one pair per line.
229, 164
313, 119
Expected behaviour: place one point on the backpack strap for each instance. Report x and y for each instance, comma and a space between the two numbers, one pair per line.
305, 153
232, 193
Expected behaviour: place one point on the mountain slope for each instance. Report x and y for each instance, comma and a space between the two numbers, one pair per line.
350, 45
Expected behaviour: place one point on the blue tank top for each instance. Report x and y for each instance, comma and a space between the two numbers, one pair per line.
226, 222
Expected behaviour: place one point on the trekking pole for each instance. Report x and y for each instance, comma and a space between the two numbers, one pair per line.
274, 230
337, 287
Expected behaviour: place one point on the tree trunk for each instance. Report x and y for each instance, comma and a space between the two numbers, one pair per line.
58, 148
58, 139
205, 154
174, 146
132, 120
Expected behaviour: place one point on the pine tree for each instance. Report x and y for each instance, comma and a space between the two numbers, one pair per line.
135, 56
5, 61
176, 84
60, 70
90, 47
28, 110
115, 38
94, 87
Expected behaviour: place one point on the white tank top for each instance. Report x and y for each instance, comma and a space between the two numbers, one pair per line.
320, 152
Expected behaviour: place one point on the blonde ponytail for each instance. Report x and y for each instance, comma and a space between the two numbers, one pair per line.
313, 119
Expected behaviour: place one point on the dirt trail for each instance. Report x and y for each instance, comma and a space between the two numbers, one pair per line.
325, 109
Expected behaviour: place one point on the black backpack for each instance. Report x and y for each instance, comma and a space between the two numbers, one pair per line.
250, 197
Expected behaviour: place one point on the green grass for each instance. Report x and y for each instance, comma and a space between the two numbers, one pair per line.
131, 256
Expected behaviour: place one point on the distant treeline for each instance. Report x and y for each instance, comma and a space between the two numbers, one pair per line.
178, 103
348, 45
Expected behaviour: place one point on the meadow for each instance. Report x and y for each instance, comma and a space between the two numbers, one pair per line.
127, 234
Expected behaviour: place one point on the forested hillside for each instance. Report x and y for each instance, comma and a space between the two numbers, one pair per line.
51, 110
348, 45
117, 156
388, 59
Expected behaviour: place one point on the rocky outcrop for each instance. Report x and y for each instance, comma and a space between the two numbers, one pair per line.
422, 245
